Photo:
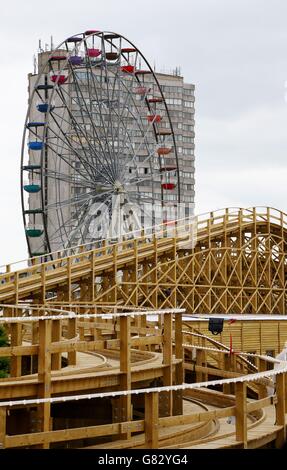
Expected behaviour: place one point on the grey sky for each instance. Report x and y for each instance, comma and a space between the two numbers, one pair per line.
234, 51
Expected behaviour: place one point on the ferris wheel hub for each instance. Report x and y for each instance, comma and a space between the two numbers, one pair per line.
118, 187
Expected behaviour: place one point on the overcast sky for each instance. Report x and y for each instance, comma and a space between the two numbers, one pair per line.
234, 51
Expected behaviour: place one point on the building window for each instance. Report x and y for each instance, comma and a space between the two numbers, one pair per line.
187, 127
188, 140
188, 104
174, 101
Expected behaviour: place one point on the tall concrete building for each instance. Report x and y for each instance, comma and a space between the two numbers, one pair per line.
100, 132
180, 99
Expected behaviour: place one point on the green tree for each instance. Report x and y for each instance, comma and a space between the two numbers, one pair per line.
4, 361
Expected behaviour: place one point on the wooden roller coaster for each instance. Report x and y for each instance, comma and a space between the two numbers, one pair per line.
106, 350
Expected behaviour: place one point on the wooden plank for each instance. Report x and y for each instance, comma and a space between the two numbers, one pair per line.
16, 340
125, 369
73, 433
241, 413
56, 336
258, 404
147, 340
167, 361
19, 350
72, 333
3, 427
178, 338
151, 420
196, 417
280, 410
44, 374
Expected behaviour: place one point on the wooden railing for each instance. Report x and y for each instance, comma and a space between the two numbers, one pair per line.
165, 337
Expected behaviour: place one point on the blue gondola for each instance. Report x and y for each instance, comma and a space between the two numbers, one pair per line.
44, 87
32, 188
75, 60
33, 211
35, 124
43, 107
34, 232
31, 167
35, 145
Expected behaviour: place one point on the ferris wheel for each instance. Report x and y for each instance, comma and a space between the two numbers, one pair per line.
98, 153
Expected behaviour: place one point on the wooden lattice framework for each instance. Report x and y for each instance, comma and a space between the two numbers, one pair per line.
231, 261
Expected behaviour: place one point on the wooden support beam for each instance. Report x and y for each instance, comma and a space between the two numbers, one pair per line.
35, 340
154, 274
69, 281
92, 290
16, 340
227, 367
56, 336
16, 286
178, 380
241, 413
43, 281
167, 361
125, 372
44, 375
262, 366
199, 364
142, 325
151, 420
2, 427
72, 332
280, 410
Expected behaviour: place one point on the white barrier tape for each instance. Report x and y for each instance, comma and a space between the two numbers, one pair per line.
246, 378
89, 315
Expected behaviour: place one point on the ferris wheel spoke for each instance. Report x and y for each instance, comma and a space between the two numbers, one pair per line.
137, 119
58, 151
84, 221
94, 152
58, 176
73, 200
63, 225
109, 166
89, 167
110, 98
63, 138
92, 86
79, 102
78, 127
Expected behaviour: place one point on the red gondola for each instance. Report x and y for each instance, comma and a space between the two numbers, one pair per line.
93, 52
163, 151
155, 100
168, 186
57, 58
112, 55
154, 118
128, 68
128, 50
59, 79
91, 31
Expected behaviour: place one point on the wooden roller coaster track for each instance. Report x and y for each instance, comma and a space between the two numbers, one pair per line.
231, 261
